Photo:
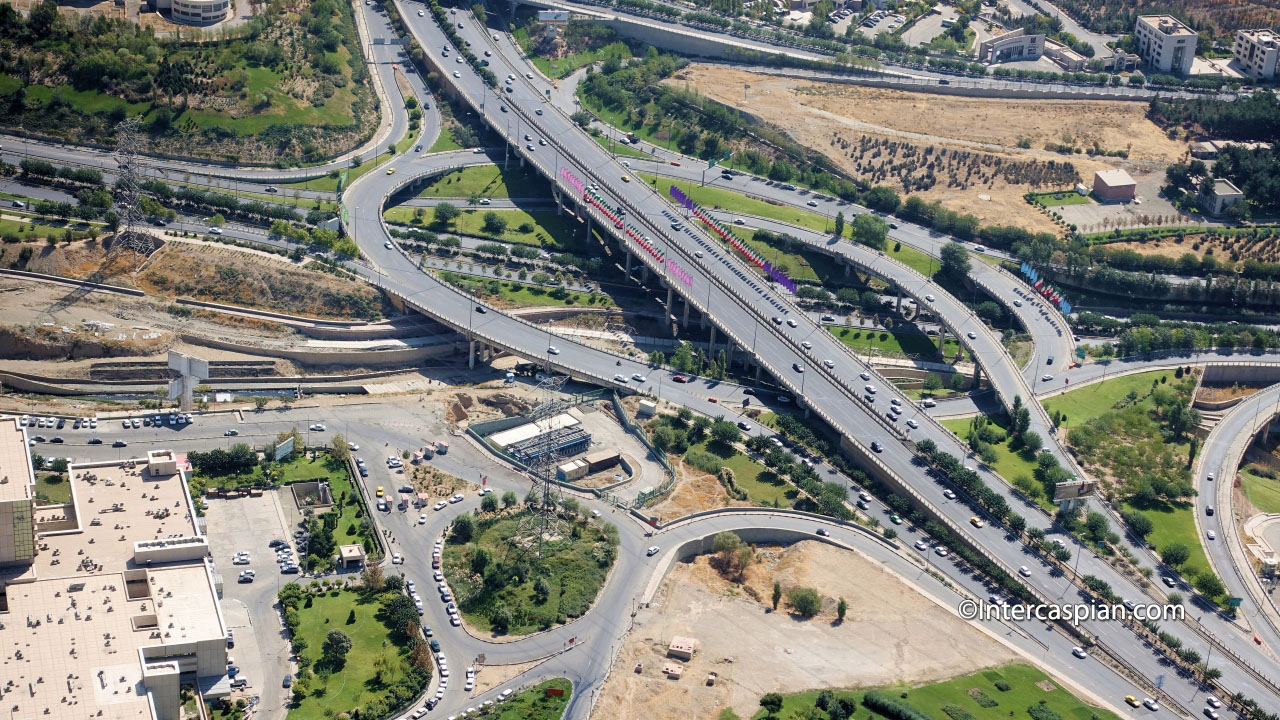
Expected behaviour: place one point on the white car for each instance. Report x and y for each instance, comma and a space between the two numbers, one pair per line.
1024, 571
948, 494
1079, 652
317, 427
421, 14
829, 363
806, 345
922, 546
387, 245
457, 74
397, 559
455, 621
441, 505
457, 498
792, 322
864, 376
653, 550
941, 551
422, 519
973, 335
1046, 378
553, 350
215, 230
913, 424
1211, 535
638, 377
928, 298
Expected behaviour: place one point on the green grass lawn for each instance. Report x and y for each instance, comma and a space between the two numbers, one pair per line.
915, 259
554, 231
763, 486
1174, 523
300, 469
716, 198
524, 295
1009, 463
618, 148
356, 683
489, 181
1090, 401
962, 692
52, 489
1061, 198
573, 568
532, 704
1263, 492
896, 343
36, 230
444, 141
802, 266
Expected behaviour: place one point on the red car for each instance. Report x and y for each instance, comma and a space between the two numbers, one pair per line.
435, 563
677, 164
680, 379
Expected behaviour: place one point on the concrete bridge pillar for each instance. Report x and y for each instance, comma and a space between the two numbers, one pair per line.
757, 372
711, 345
471, 355
977, 374
685, 321
644, 273
899, 307
559, 202
848, 268
628, 265
942, 338
732, 349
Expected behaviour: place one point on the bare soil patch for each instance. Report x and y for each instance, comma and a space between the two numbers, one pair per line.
892, 634
1227, 392
826, 115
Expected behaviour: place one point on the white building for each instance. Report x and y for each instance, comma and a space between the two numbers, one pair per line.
1165, 43
117, 607
196, 12
1257, 52
1011, 46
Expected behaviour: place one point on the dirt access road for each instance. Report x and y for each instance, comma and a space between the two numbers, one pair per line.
891, 634
824, 115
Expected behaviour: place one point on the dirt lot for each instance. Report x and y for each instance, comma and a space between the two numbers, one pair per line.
211, 272
832, 117
891, 634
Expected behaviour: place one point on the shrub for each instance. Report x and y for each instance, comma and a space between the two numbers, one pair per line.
1003, 686
805, 601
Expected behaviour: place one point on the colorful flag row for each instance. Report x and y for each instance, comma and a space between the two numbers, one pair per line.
678, 273
732, 239
1046, 291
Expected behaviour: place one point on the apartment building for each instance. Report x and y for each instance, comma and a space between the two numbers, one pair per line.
1165, 44
1256, 51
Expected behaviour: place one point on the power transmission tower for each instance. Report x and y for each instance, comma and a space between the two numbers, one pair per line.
128, 190
544, 457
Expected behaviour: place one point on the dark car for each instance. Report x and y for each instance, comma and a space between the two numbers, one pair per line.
95, 441
824, 532
680, 379
231, 641
232, 670
57, 439
748, 391
289, 569
426, 630
62, 422
38, 438
288, 681
480, 309
431, 703
120, 443
877, 447
893, 226
435, 645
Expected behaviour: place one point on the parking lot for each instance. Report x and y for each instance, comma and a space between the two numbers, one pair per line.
929, 27
261, 650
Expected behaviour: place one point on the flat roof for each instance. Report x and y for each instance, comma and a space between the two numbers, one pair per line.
1156, 20
1114, 178
529, 430
15, 462
1222, 186
76, 650
1260, 34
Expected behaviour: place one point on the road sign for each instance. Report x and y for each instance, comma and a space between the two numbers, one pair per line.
1080, 353
1234, 602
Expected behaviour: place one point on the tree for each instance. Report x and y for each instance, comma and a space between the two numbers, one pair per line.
954, 260
336, 646
1209, 584
341, 450
1032, 441
480, 559
373, 578
842, 607
446, 213
805, 601
1175, 554
493, 222
489, 503
509, 499
840, 223
260, 401
932, 382
463, 528
1139, 523
870, 230
217, 220
725, 432
772, 703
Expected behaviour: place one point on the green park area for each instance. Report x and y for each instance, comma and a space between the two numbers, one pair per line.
502, 587
1262, 487
535, 227
354, 654
1012, 465
1090, 401
517, 294
1020, 692
1173, 522
487, 181
532, 704
901, 343
619, 148
763, 486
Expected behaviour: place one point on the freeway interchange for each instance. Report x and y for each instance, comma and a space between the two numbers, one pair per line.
758, 319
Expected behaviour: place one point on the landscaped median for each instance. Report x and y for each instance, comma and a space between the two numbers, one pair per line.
491, 561
489, 181
536, 227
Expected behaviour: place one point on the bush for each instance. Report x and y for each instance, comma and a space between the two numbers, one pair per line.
805, 601
703, 460
884, 705
1003, 686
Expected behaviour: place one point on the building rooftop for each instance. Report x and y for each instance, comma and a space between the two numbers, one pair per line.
1166, 24
15, 462
1223, 187
1262, 35
95, 622
1114, 177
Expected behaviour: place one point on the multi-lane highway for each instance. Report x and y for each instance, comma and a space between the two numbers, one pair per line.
761, 320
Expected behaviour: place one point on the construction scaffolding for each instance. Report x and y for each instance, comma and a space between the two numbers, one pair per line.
128, 190
544, 452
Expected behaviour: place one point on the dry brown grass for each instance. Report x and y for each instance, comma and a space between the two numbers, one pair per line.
814, 113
